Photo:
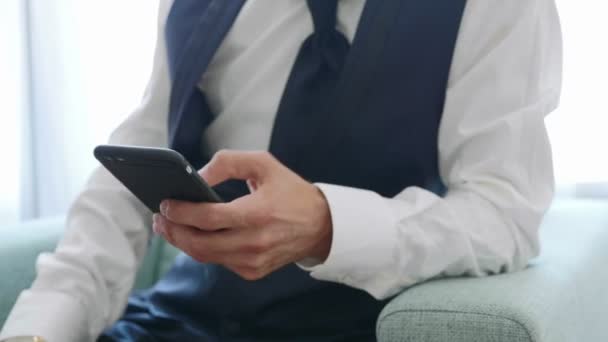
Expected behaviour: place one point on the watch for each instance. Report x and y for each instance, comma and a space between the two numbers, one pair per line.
24, 339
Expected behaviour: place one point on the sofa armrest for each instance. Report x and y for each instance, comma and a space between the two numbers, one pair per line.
20, 245
562, 296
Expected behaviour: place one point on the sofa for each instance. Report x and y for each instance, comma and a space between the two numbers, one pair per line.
561, 297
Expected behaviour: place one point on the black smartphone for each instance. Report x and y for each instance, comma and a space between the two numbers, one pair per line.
155, 174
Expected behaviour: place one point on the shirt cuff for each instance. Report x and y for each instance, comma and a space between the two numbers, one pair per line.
54, 316
363, 242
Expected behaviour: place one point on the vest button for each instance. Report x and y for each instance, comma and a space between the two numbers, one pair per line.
230, 327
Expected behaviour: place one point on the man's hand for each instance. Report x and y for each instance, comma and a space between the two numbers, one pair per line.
285, 219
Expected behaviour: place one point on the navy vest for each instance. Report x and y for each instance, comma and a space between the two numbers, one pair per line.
380, 134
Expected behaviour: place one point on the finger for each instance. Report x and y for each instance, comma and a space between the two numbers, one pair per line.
254, 266
188, 239
241, 165
225, 244
205, 216
218, 247
232, 248
173, 233
252, 185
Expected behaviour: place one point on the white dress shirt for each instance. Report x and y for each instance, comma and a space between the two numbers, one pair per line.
494, 157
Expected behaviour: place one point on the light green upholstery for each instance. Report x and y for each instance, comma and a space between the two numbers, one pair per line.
20, 245
562, 296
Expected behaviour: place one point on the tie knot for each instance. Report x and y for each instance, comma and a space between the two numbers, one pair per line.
323, 14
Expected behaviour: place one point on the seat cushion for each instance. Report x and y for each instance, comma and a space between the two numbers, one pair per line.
20, 245
561, 296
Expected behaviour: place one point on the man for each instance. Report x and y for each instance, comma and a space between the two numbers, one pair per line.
406, 141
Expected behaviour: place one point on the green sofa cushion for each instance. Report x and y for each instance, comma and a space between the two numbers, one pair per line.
562, 296
158, 260
20, 244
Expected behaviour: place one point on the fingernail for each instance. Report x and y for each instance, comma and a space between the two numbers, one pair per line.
163, 207
156, 224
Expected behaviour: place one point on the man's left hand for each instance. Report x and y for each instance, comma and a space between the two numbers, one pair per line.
285, 219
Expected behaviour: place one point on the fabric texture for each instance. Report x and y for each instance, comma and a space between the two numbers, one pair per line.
560, 298
517, 51
311, 86
195, 300
22, 243
19, 247
476, 140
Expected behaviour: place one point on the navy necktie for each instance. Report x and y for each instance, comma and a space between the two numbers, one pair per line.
310, 86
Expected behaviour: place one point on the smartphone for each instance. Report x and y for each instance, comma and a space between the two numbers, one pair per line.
155, 174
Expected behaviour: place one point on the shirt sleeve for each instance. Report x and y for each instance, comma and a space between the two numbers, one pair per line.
495, 159
83, 286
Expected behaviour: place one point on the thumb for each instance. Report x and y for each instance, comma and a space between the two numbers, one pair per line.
242, 165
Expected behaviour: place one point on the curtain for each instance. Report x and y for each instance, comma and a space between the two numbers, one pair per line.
85, 66
71, 70
578, 127
13, 103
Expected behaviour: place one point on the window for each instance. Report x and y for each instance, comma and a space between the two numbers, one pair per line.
71, 70
578, 128
13, 102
